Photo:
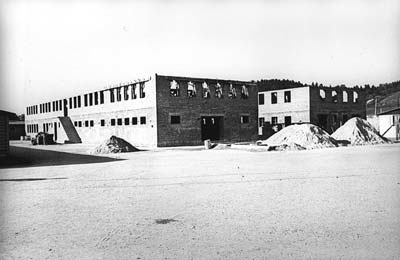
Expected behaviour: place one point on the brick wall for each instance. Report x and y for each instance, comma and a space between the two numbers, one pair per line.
191, 109
336, 112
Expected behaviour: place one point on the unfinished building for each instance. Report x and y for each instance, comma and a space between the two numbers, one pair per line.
327, 107
156, 111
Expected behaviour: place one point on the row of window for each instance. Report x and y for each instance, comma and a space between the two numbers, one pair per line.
112, 122
334, 96
95, 98
287, 97
175, 90
32, 128
274, 121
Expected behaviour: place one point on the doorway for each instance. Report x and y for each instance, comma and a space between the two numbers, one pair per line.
211, 127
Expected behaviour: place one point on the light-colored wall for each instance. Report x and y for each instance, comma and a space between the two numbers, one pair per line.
140, 135
385, 121
298, 108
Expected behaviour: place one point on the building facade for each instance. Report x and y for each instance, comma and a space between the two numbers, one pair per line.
327, 107
156, 111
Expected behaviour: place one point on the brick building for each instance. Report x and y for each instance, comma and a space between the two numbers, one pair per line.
327, 107
156, 111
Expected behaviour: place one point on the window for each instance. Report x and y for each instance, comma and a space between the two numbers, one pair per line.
102, 122
274, 97
60, 104
113, 121
218, 91
126, 96
86, 123
261, 99
142, 120
288, 120
345, 96
85, 99
76, 123
261, 122
355, 97
345, 118
245, 92
70, 103
174, 89
287, 97
175, 120
134, 120
206, 90
119, 121
142, 94
191, 89
75, 102
232, 91
119, 97
126, 121
112, 97
79, 101
90, 99
96, 98
56, 105
133, 91
274, 120
101, 97
80, 124
334, 96
91, 123
244, 119
322, 94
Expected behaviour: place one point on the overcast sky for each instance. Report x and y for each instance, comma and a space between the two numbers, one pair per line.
51, 49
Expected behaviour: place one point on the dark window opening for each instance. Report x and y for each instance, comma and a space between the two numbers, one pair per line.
96, 98
119, 97
261, 99
102, 122
142, 120
112, 97
80, 124
261, 121
75, 123
70, 103
101, 97
126, 96
85, 98
287, 96
134, 121
142, 94
175, 120
79, 101
274, 97
133, 91
91, 99
126, 121
274, 120
113, 121
91, 123
86, 123
119, 121
288, 120
244, 119
75, 102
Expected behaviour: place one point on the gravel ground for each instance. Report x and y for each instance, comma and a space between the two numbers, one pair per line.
336, 203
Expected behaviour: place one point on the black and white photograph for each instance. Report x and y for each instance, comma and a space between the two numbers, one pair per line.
226, 129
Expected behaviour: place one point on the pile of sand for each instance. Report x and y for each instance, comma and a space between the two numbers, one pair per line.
115, 145
358, 131
300, 137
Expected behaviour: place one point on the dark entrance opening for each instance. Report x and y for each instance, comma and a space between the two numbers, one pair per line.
55, 131
323, 121
65, 107
211, 127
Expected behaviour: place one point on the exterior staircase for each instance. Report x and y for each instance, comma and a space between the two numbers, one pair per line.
69, 128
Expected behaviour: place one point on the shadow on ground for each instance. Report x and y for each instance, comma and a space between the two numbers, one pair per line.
21, 157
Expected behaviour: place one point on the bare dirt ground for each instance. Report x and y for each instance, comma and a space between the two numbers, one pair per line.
336, 203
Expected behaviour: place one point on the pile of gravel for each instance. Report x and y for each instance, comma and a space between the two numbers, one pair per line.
115, 145
358, 131
300, 137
